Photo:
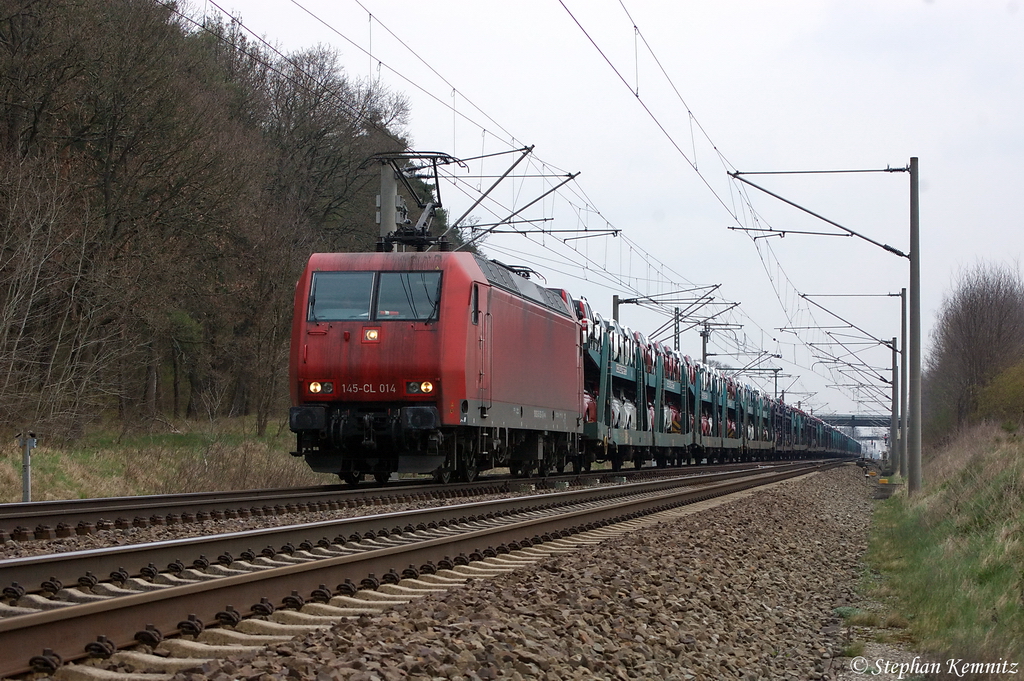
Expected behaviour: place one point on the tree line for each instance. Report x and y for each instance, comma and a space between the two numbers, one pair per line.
162, 181
975, 368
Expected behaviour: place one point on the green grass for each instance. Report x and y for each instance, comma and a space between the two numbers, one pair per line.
952, 558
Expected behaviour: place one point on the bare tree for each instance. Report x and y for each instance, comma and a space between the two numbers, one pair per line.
980, 332
160, 189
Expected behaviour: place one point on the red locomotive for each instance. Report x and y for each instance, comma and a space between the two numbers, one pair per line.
431, 362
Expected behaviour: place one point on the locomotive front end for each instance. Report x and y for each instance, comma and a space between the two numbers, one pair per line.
366, 364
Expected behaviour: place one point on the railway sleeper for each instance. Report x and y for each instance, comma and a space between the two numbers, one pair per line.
137, 584
226, 571
506, 561
97, 591
272, 628
310, 617
181, 647
231, 636
75, 595
111, 590
439, 579
37, 602
156, 663
263, 561
406, 591
15, 610
164, 579
366, 596
473, 571
249, 567
191, 574
81, 672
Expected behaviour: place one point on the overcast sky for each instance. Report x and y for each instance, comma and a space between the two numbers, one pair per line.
751, 85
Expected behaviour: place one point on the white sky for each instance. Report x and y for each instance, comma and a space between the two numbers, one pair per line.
790, 85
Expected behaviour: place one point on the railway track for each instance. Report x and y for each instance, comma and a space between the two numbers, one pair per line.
43, 520
330, 569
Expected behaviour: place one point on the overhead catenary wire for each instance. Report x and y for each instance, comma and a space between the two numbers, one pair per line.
448, 83
437, 99
745, 201
748, 208
629, 277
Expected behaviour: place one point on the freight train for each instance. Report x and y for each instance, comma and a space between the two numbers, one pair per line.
449, 363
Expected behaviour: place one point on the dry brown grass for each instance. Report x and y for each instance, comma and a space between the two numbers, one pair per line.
249, 465
185, 460
895, 621
863, 619
974, 444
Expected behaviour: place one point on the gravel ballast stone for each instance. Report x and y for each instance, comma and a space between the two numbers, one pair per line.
741, 590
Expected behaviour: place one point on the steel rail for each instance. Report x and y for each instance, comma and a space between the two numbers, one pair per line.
74, 511
63, 517
67, 631
69, 566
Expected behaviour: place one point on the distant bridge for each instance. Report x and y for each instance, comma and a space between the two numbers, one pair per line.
857, 420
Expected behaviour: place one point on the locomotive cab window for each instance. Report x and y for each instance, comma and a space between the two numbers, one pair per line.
351, 296
408, 295
475, 304
340, 296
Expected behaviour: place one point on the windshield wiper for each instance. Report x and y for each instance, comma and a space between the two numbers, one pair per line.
312, 303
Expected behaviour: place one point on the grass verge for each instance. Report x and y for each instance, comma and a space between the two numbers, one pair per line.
952, 558
194, 457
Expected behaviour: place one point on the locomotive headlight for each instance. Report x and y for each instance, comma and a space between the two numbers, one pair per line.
315, 387
418, 387
371, 335
412, 387
328, 388
426, 387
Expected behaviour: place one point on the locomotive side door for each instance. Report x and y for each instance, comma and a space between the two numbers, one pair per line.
482, 321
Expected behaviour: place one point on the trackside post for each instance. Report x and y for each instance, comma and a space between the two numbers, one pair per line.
27, 442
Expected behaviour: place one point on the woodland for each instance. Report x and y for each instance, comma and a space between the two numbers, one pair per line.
163, 179
974, 369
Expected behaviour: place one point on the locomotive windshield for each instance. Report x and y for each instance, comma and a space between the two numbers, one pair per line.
338, 296
408, 295
343, 296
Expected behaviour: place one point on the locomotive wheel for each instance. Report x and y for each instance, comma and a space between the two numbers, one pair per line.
469, 472
353, 478
382, 478
468, 466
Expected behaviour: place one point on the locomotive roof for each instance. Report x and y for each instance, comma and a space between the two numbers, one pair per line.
503, 277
